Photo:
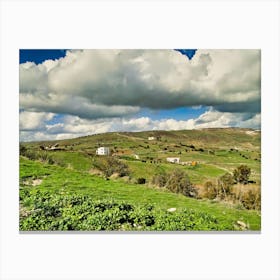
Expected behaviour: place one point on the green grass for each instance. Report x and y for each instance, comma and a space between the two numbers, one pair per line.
63, 181
76, 160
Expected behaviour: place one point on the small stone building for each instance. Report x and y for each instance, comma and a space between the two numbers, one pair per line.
173, 159
103, 151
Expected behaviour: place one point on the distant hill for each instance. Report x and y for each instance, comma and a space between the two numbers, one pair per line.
215, 138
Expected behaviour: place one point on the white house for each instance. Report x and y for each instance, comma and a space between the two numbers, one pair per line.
173, 159
103, 151
151, 138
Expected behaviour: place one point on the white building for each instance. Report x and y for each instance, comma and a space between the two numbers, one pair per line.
151, 138
173, 159
103, 151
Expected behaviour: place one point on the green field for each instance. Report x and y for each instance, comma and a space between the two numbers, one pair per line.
50, 179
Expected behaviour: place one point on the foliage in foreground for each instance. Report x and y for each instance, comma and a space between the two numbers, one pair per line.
41, 210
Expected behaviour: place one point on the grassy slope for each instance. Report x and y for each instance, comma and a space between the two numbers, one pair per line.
79, 152
62, 180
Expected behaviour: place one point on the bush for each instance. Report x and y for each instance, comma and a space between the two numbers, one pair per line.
210, 190
249, 197
221, 189
41, 210
141, 180
225, 183
160, 179
22, 150
178, 182
241, 174
111, 165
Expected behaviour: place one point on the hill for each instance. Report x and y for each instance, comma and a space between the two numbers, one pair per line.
71, 167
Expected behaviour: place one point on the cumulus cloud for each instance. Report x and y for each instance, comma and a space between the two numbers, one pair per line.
222, 119
114, 83
73, 126
33, 120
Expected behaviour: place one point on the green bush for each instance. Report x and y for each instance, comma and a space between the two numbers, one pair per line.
176, 181
225, 183
22, 150
241, 174
210, 190
159, 179
48, 211
247, 196
179, 182
111, 165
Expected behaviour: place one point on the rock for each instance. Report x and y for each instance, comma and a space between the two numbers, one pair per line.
95, 171
36, 182
241, 224
115, 176
125, 179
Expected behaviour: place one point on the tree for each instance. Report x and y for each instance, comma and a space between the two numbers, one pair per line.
179, 182
210, 190
225, 184
112, 165
241, 174
160, 178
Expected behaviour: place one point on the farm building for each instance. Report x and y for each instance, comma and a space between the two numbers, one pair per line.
150, 138
173, 159
103, 151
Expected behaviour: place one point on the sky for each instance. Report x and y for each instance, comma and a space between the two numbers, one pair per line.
71, 93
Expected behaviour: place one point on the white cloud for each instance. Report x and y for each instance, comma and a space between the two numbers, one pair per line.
73, 126
33, 120
111, 83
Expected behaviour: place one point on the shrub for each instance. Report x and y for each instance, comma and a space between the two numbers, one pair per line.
178, 182
31, 154
43, 210
225, 183
111, 165
141, 180
248, 196
241, 174
22, 150
210, 190
159, 179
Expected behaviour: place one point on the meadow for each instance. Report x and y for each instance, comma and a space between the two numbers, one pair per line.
72, 189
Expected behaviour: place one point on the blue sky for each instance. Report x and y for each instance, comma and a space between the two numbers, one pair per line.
70, 93
38, 56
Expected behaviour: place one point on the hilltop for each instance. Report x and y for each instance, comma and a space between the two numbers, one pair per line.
208, 137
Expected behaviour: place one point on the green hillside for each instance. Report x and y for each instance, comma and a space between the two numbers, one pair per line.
74, 169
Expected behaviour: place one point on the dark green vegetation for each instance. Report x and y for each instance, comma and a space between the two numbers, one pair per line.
80, 212
128, 184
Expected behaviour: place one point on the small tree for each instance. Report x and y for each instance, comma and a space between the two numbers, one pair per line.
159, 179
241, 174
112, 165
210, 190
179, 182
225, 184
